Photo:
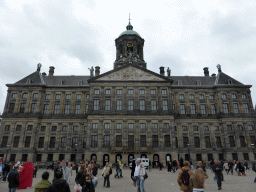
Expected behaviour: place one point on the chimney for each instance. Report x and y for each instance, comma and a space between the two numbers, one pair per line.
97, 71
213, 75
206, 72
44, 74
51, 71
161, 71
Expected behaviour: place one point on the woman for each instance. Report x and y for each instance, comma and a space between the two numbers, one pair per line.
226, 166
197, 180
43, 185
132, 172
141, 174
68, 173
88, 182
80, 177
26, 176
106, 174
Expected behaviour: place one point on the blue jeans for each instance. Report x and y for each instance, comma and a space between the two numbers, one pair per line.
150, 168
12, 189
142, 184
138, 183
218, 178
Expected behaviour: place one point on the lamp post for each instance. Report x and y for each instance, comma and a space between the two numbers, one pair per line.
7, 153
188, 152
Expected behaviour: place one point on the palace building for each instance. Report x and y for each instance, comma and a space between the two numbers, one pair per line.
126, 113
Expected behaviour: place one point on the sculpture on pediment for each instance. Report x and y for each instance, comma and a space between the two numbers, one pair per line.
91, 71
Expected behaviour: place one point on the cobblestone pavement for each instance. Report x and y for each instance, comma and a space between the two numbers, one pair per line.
158, 181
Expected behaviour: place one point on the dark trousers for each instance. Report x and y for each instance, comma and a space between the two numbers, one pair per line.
218, 178
169, 169
230, 170
106, 179
34, 173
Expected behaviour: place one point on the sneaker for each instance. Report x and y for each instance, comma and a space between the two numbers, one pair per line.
219, 188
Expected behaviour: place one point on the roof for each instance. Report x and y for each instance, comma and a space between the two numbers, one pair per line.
129, 31
66, 80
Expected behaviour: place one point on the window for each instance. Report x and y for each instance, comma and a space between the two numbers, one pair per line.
213, 110
24, 157
143, 141
246, 109
181, 96
240, 128
223, 96
165, 105
206, 128
27, 141
216, 128
33, 108
87, 97
78, 97
56, 109
182, 109
84, 143
142, 126
18, 128
41, 142
119, 91
54, 128
203, 111
22, 107
130, 126
244, 96
47, 97
191, 97
96, 105
108, 91
142, 105
166, 125
77, 109
107, 105
179, 82
119, 104
67, 108
74, 141
153, 105
193, 109
164, 91
229, 127
250, 128
119, 126
38, 157
246, 156
154, 126
152, 91
252, 139
172, 96
155, 140
16, 141
50, 157
30, 128
242, 141
225, 107
4, 141
86, 108
95, 126
185, 142
60, 82
130, 140
201, 97
94, 141
61, 157
46, 109
11, 107
76, 128
25, 95
218, 142
236, 110
65, 128
57, 97
184, 128
195, 128
85, 128
198, 82
167, 142
211, 97
231, 141
96, 91
14, 95
130, 105
130, 91
43, 128
197, 142
119, 141
234, 96
35, 95
107, 125
207, 142
173, 107
142, 92
106, 141
7, 127
199, 157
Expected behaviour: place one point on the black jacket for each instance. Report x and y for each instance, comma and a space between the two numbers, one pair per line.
95, 170
7, 168
80, 178
214, 168
60, 185
14, 179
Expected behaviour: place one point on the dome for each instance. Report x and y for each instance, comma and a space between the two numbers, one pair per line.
129, 31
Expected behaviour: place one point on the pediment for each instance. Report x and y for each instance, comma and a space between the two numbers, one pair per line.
131, 73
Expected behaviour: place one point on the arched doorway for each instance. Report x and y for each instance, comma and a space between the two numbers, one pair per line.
155, 159
105, 159
118, 157
168, 158
94, 157
143, 156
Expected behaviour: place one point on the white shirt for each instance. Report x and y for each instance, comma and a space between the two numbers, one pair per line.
137, 170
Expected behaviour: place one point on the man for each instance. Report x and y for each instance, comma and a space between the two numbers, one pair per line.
58, 168
35, 170
6, 170
217, 169
121, 167
14, 179
230, 167
106, 173
136, 174
246, 165
1, 168
184, 176
59, 184
200, 165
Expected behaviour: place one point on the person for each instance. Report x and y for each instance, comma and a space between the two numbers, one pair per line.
59, 185
184, 176
217, 169
191, 165
241, 169
246, 165
200, 165
132, 172
57, 168
230, 167
160, 166
14, 179
169, 167
52, 166
254, 169
175, 166
1, 168
142, 172
149, 166
106, 174
43, 185
68, 173
6, 170
26, 176
80, 177
197, 180
35, 170
136, 174
121, 167
225, 166
117, 175
63, 165
181, 162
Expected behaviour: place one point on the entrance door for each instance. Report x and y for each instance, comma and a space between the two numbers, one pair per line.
118, 157
155, 159
168, 158
94, 157
105, 159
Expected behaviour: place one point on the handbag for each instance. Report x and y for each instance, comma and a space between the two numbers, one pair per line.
77, 188
146, 175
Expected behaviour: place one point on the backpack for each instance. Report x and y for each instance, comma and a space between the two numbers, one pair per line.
185, 178
110, 171
146, 175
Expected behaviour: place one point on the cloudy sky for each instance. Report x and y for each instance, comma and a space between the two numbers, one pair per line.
185, 35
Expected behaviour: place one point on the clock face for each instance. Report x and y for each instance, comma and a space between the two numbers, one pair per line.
129, 44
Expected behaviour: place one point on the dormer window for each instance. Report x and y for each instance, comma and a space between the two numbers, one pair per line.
60, 82
198, 82
28, 81
25, 95
80, 82
179, 82
230, 81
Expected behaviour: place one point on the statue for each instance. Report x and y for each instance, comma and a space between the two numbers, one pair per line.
91, 70
130, 57
219, 68
168, 72
39, 65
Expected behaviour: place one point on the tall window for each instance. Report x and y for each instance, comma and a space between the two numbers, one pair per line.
16, 141
76, 128
54, 128
164, 91
96, 105
250, 128
197, 142
142, 126
182, 109
30, 128
231, 141
18, 128
94, 141
207, 142
119, 126
74, 141
167, 142
130, 126
96, 91
46, 108
229, 127
84, 142
142, 92
14, 95
22, 107
130, 91
240, 128
68, 96
236, 110
25, 95
47, 97
57, 97
191, 97
218, 142
78, 97
119, 104
216, 128
11, 107
108, 91
7, 127
181, 96
165, 105
193, 109
252, 139
119, 141
203, 111
211, 97
201, 97
185, 142
63, 142
195, 128
223, 96
166, 125
155, 140
153, 105
4, 141
56, 109
206, 128
107, 125
184, 128
43, 128
107, 104
33, 108
172, 96
225, 107
95, 126
106, 141
77, 109
234, 96
130, 140
52, 142
153, 91
119, 91
143, 141
87, 97
142, 105
67, 108
41, 142
242, 141
154, 125
246, 109
244, 96
65, 128
213, 110
130, 104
